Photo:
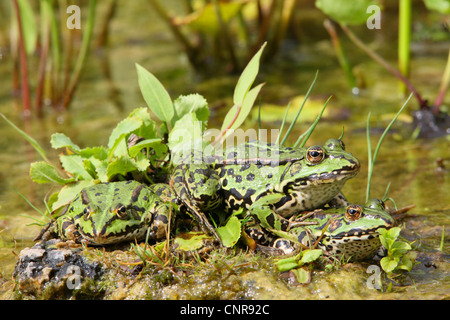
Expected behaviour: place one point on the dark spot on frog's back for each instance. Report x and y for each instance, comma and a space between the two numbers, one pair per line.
250, 177
136, 193
84, 197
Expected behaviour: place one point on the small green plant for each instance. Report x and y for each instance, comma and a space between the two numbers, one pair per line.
399, 255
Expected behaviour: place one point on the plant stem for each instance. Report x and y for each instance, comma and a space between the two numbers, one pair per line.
395, 72
23, 65
404, 38
443, 87
340, 53
378, 147
81, 55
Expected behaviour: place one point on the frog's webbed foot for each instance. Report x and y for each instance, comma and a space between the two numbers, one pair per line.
338, 201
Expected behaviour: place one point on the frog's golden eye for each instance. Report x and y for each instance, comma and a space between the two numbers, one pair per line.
353, 212
315, 155
86, 213
121, 210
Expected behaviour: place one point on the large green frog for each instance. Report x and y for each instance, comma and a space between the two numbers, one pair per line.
272, 182
350, 231
109, 213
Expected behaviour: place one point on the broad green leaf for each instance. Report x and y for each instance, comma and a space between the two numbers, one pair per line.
120, 166
243, 112
389, 263
42, 172
190, 241
311, 255
230, 233
32, 141
156, 97
247, 78
442, 6
90, 168
60, 140
68, 192
346, 12
74, 165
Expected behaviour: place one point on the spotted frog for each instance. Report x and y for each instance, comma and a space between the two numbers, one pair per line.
350, 231
113, 212
271, 181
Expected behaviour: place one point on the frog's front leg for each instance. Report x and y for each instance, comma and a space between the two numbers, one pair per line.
263, 210
158, 221
196, 185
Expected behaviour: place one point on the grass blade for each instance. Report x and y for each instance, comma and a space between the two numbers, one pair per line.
301, 108
377, 149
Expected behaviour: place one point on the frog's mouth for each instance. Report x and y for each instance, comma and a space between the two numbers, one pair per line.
344, 173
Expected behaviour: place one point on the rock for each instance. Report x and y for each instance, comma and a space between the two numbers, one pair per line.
47, 271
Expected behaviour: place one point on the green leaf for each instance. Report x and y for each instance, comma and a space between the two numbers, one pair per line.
185, 137
190, 241
42, 172
32, 141
60, 140
247, 78
346, 12
311, 255
230, 233
74, 165
156, 97
99, 152
123, 128
243, 112
155, 144
389, 263
68, 192
289, 263
120, 166
193, 103
303, 276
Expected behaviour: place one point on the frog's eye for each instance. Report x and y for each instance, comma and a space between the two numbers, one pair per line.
86, 213
353, 212
121, 210
335, 144
315, 155
376, 204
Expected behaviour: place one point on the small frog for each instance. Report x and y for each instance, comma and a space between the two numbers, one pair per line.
108, 213
351, 231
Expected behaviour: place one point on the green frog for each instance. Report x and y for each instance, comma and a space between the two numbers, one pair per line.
271, 181
110, 213
350, 231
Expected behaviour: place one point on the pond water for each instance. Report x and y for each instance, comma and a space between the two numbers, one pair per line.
109, 91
